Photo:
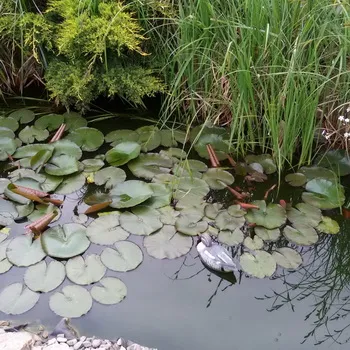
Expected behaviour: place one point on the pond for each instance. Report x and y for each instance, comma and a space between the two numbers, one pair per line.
177, 304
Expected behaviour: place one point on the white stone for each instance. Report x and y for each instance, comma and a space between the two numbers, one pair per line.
16, 341
72, 342
2, 331
61, 346
83, 338
87, 344
61, 339
96, 343
77, 345
51, 341
60, 335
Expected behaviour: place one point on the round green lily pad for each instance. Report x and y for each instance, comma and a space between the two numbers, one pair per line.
9, 123
62, 165
122, 135
7, 147
296, 179
92, 165
168, 215
30, 133
6, 132
124, 256
123, 153
236, 210
260, 264
161, 196
191, 224
23, 115
328, 225
5, 265
254, 243
74, 120
218, 179
149, 138
287, 258
301, 234
265, 160
267, 235
113, 291
89, 139
71, 184
66, 147
304, 214
225, 221
212, 210
231, 238
49, 122
110, 177
31, 150
43, 209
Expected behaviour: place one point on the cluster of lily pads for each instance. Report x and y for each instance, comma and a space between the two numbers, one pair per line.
165, 200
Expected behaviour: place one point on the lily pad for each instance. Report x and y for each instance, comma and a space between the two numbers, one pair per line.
23, 251
265, 160
106, 230
16, 299
176, 154
23, 115
40, 159
110, 177
73, 301
212, 210
65, 241
122, 135
43, 209
51, 183
30, 133
225, 221
123, 153
149, 138
124, 256
231, 238
92, 165
74, 120
9, 123
62, 165
254, 243
5, 264
113, 291
24, 210
301, 234
29, 151
259, 264
269, 216
44, 278
296, 179
71, 184
80, 219
142, 221
304, 214
8, 210
66, 147
26, 173
130, 193
167, 243
328, 225
191, 224
167, 138
287, 258
7, 148
186, 186
149, 165
236, 210
218, 179
267, 235
3, 185
168, 215
49, 122
89, 139
86, 271
6, 132
161, 196
313, 172
336, 160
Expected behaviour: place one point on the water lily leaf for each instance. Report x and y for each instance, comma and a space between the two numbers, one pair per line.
254, 243
73, 301
336, 160
187, 200
265, 160
74, 120
66, 147
113, 291
3, 184
40, 159
167, 138
80, 219
97, 198
313, 172
45, 278
23, 115
176, 154
49, 122
106, 230
192, 165
43, 209
110, 177
180, 136
161, 196
89, 139
51, 183
26, 173
217, 179
8, 208
260, 264
30, 133
296, 179
149, 165
212, 210
124, 256
62, 165
26, 182
16, 299
24, 210
9, 123
123, 153
4, 233
190, 186
270, 216
123, 135
304, 214
149, 138
142, 221
23, 251
219, 144
92, 165
130, 193
86, 271
328, 225
7, 147
255, 167
5, 264
71, 184
167, 243
191, 224
301, 234
225, 221
65, 241
6, 132
168, 215
287, 258
29, 151
166, 179
267, 235
231, 238
236, 211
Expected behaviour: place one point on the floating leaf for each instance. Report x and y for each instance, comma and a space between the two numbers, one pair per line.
23, 115
113, 291
254, 243
231, 238
65, 241
24, 210
66, 147
236, 211
149, 138
296, 179
26, 173
30, 133
259, 265
191, 224
168, 215
71, 184
176, 154
51, 183
5, 264
89, 139
123, 135
49, 122
301, 234
313, 172
106, 230
225, 221
16, 299
92, 165
212, 210
124, 256
189, 167
43, 209
265, 160
141, 221
73, 301
217, 179
62, 165
3, 184
7, 147
149, 165
336, 160
80, 219
6, 132
267, 235
86, 271
40, 159
29, 151
123, 153
130, 193
304, 214
187, 186
161, 196
167, 138
167, 243
74, 120
287, 258
8, 212
45, 278
328, 225
9, 123
23, 251
110, 177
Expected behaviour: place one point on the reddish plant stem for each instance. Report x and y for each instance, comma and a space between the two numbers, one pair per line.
231, 161
59, 133
269, 190
216, 159
238, 195
212, 160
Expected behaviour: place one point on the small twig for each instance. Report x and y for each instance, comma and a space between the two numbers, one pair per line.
268, 191
231, 161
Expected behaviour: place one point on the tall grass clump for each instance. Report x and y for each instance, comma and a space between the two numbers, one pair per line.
272, 70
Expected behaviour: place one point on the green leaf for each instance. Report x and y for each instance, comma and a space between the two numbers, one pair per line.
113, 291
29, 151
336, 160
18, 174
328, 225
62, 165
296, 179
187, 186
6, 132
49, 122
110, 177
267, 235
301, 234
161, 196
265, 160
231, 238
51, 183
43, 209
287, 258
254, 243
73, 301
149, 138
313, 172
236, 211
124, 256
7, 147
123, 153
68, 148
304, 214
23, 115
218, 179
40, 159
260, 264
176, 154
5, 264
3, 184
212, 210
225, 221
71, 184
89, 139
8, 212
74, 120
24, 210
167, 138
9, 123
168, 215
191, 224
30, 133
217, 142
123, 135
65, 241
45, 278
92, 165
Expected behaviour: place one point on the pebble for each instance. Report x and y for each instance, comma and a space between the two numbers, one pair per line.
120, 342
60, 335
52, 341
2, 331
77, 345
96, 343
45, 334
87, 344
72, 342
83, 338
61, 339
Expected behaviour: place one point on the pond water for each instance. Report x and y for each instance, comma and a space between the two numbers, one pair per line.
179, 305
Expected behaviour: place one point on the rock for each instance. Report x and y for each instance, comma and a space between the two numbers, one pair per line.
16, 341
134, 347
96, 343
72, 342
60, 335
77, 345
51, 341
83, 338
61, 339
87, 344
2, 331
45, 334
57, 346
